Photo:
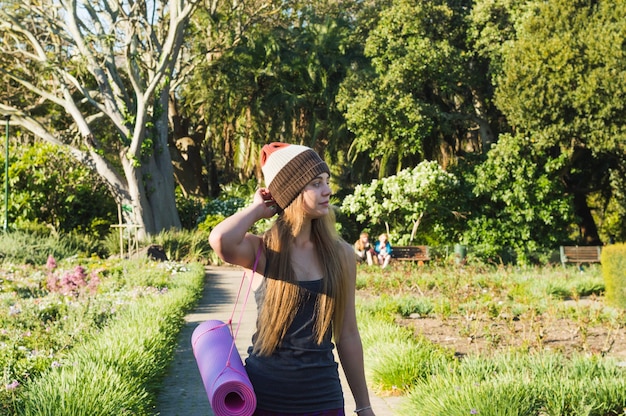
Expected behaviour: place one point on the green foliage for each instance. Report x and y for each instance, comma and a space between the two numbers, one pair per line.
94, 364
47, 186
573, 74
189, 210
275, 82
410, 305
613, 261
422, 196
614, 225
561, 83
216, 210
232, 199
35, 247
422, 89
520, 204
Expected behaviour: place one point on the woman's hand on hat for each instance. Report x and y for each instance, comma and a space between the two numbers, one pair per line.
263, 197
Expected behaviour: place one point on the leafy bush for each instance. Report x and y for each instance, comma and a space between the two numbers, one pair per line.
34, 248
189, 210
216, 210
614, 271
423, 198
518, 203
409, 305
49, 187
232, 199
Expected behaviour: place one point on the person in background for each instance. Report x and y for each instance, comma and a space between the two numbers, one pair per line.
305, 289
383, 250
364, 250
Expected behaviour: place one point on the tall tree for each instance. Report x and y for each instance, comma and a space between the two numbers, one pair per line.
105, 69
276, 81
426, 96
518, 204
563, 84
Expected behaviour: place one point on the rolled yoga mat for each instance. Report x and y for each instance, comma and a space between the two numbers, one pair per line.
224, 377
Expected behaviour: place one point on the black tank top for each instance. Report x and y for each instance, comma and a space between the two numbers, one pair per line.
300, 376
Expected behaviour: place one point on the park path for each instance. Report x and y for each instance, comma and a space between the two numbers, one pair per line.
182, 392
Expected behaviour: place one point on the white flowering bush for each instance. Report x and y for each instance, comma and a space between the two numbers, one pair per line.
425, 193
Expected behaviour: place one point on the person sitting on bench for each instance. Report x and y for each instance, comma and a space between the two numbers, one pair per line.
364, 250
383, 250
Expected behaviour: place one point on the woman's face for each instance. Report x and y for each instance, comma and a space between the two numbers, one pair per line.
316, 196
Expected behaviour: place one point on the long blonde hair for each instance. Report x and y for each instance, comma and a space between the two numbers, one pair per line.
282, 295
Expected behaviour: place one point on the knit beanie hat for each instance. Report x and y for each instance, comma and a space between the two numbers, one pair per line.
288, 168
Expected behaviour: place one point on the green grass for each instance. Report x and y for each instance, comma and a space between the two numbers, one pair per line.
396, 357
512, 384
95, 365
19, 247
530, 380
105, 353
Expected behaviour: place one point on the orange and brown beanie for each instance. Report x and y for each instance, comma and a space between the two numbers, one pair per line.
288, 168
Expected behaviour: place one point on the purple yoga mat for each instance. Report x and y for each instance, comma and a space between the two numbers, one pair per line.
225, 379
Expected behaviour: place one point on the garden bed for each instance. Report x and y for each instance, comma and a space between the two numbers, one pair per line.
483, 335
490, 341
90, 337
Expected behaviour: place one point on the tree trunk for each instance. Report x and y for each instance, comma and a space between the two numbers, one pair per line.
185, 151
587, 225
151, 184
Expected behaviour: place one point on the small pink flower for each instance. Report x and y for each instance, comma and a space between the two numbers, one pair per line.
52, 283
51, 264
12, 386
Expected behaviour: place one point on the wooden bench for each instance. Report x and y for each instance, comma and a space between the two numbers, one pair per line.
580, 254
410, 253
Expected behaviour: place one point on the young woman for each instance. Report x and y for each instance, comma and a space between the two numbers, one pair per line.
364, 250
306, 286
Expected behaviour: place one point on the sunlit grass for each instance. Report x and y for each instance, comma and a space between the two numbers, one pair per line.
524, 384
524, 380
90, 353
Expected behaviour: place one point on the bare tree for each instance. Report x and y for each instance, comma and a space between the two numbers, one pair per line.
96, 76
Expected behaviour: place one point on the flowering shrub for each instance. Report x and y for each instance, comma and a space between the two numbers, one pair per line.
425, 192
45, 310
71, 283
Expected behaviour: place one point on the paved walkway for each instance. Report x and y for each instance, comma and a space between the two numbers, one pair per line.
183, 393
